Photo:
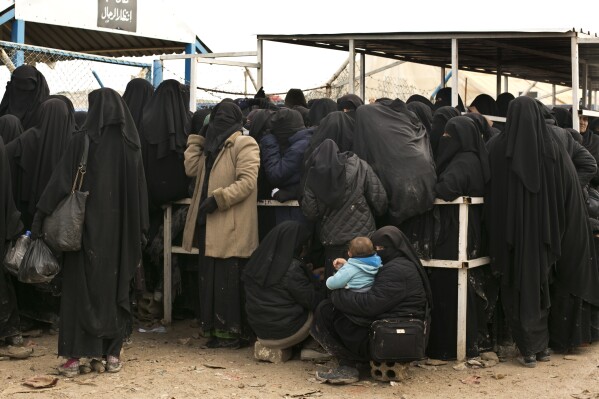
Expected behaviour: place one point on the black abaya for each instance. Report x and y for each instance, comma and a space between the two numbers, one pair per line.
10, 128
137, 95
95, 299
25, 93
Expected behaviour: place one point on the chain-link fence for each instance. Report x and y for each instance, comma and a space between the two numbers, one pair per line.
73, 75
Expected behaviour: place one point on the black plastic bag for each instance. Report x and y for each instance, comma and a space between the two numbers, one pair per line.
15, 254
39, 264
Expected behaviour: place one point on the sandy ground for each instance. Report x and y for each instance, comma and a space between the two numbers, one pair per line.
163, 366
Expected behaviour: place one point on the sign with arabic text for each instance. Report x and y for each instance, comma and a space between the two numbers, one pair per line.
117, 14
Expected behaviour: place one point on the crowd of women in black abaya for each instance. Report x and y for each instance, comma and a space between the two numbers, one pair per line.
355, 169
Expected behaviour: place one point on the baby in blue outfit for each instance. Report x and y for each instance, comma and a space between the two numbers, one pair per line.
357, 273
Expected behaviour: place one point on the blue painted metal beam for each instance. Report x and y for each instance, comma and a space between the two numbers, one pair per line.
98, 79
7, 16
200, 48
157, 73
440, 87
189, 49
18, 36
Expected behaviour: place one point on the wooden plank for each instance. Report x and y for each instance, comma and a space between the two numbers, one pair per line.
167, 289
448, 264
462, 311
180, 250
277, 203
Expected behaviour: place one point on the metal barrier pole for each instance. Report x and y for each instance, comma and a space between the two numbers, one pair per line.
167, 252
462, 282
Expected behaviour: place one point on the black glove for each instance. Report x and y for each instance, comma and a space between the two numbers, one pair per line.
284, 195
209, 205
260, 93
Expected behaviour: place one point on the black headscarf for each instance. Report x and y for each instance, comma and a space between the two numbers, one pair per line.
166, 120
349, 101
320, 108
70, 106
284, 124
137, 95
110, 109
503, 101
594, 126
225, 119
421, 99
80, 119
562, 116
271, 260
396, 244
443, 99
464, 136
440, 118
485, 104
423, 112
337, 126
482, 124
325, 174
260, 123
198, 118
294, 98
10, 128
25, 92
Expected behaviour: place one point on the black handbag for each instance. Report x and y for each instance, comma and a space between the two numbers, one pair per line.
399, 340
63, 229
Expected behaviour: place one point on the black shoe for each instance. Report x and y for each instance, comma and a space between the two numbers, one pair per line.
229, 343
212, 343
340, 375
528, 361
544, 356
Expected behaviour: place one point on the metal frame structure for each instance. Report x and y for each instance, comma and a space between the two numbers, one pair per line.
548, 56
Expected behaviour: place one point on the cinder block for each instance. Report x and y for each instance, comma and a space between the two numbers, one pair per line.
266, 354
389, 371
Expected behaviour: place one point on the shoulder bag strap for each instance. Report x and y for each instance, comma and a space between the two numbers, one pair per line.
78, 182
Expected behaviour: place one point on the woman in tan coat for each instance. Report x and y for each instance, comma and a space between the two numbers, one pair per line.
223, 213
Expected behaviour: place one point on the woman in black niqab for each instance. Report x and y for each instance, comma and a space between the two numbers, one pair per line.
138, 94
463, 169
440, 118
25, 92
320, 108
10, 128
70, 106
10, 227
485, 105
421, 99
165, 125
503, 101
443, 99
96, 280
337, 126
325, 171
284, 124
539, 234
423, 112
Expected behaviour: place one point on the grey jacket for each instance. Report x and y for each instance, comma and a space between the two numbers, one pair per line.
364, 196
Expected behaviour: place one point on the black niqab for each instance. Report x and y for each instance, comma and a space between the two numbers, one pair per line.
443, 99
138, 94
198, 119
440, 118
423, 112
294, 98
166, 121
70, 106
350, 102
320, 108
421, 99
284, 124
563, 117
271, 260
503, 101
226, 119
485, 105
325, 174
25, 92
10, 128
260, 123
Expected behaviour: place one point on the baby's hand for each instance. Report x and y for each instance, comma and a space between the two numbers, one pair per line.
337, 263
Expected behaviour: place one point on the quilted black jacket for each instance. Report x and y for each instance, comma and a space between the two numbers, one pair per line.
364, 195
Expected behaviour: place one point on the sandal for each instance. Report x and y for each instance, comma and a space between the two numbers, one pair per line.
113, 365
70, 369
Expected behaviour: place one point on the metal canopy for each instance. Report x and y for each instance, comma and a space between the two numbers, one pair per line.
539, 56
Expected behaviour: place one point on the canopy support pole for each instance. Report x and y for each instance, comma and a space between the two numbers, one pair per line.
352, 66
575, 82
454, 73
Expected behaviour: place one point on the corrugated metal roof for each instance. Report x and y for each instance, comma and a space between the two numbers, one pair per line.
95, 42
539, 56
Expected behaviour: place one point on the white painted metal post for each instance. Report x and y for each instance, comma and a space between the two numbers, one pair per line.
505, 86
193, 67
454, 73
442, 76
352, 66
575, 97
167, 253
260, 60
462, 282
553, 95
363, 77
585, 84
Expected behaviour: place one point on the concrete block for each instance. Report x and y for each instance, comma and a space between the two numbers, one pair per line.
266, 354
389, 371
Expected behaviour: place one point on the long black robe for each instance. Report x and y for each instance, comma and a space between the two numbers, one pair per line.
10, 128
540, 240
394, 142
164, 129
137, 95
95, 298
25, 93
463, 169
10, 226
35, 154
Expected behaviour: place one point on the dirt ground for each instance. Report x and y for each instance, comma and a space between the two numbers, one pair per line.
172, 365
